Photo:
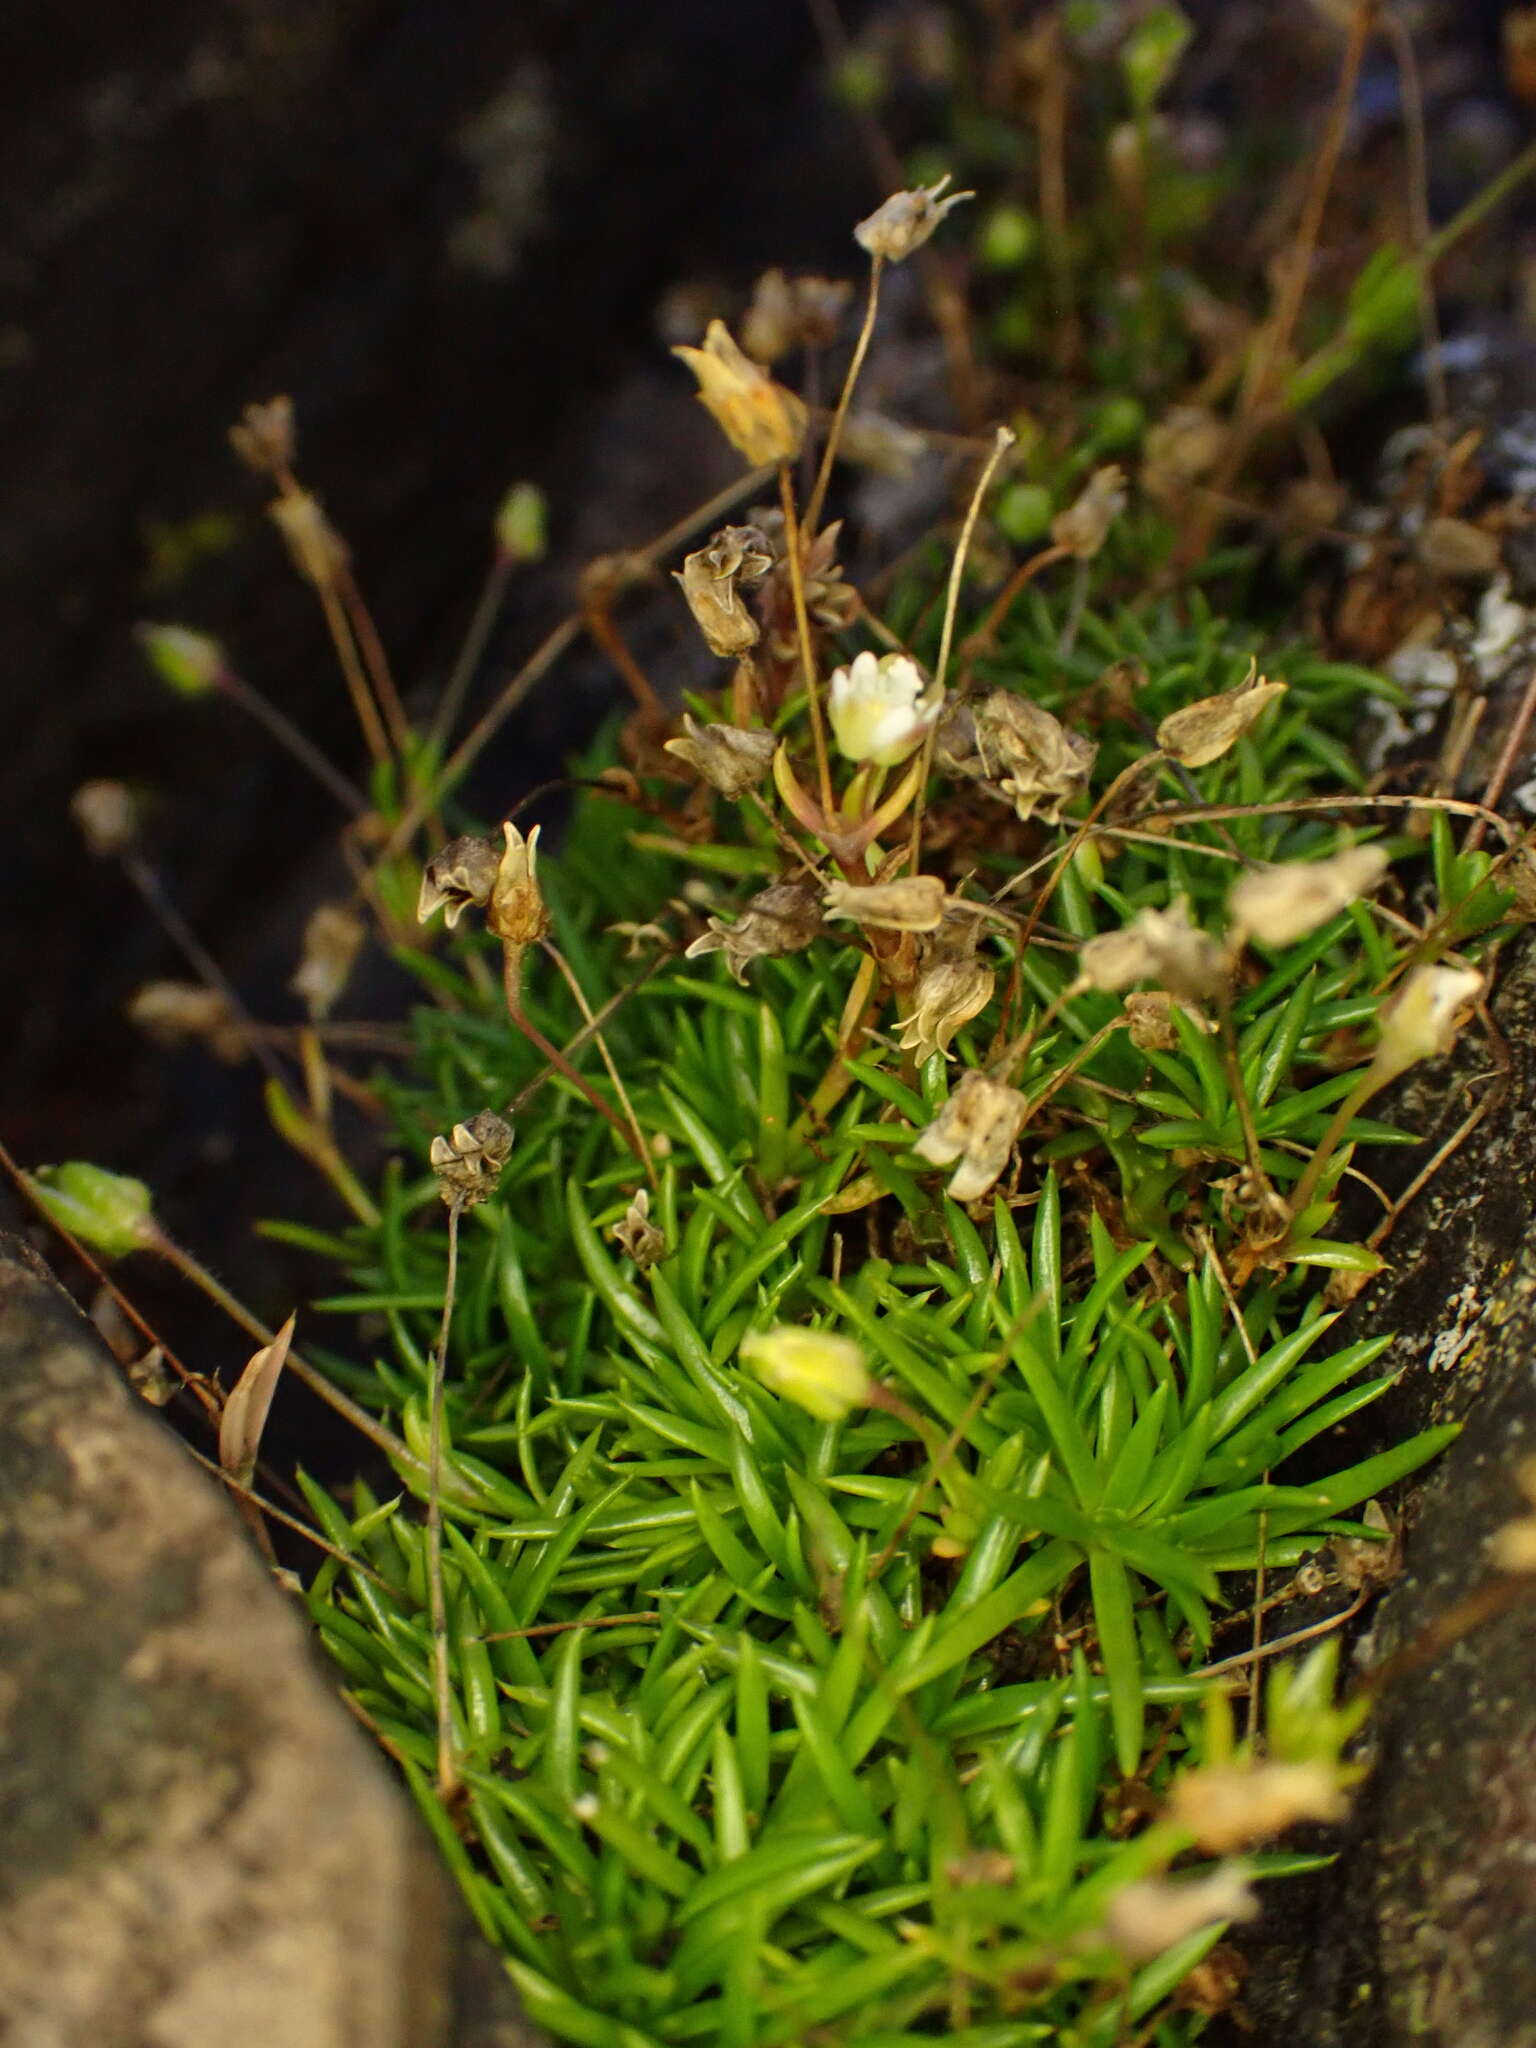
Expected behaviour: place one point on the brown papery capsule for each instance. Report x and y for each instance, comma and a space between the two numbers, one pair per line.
468, 1162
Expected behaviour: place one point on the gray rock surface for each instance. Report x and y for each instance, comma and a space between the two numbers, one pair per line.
1424, 1933
197, 1845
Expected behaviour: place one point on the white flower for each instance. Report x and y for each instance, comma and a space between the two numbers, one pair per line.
881, 707
1422, 1020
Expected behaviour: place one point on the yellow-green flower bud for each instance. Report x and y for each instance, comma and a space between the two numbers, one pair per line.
522, 525
822, 1373
107, 1211
190, 662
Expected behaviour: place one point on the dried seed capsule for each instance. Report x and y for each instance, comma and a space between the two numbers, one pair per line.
783, 918
948, 994
1157, 945
637, 1236
712, 579
459, 874
1084, 527
730, 758
1202, 732
915, 903
333, 938
107, 816
906, 220
517, 911
468, 1162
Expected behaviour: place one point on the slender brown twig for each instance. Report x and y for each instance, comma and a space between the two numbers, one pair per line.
818, 497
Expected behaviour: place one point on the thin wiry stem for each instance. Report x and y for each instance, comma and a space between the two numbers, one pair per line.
487, 606
1274, 338
792, 537
986, 633
590, 1030
543, 659
637, 1135
350, 1559
1002, 441
818, 497
190, 1268
256, 704
200, 960
449, 1782
1368, 1085
1232, 1060
352, 672
560, 1628
511, 981
376, 661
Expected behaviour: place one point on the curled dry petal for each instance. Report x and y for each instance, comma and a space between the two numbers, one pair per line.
977, 1128
730, 758
1279, 905
1084, 526
1202, 732
793, 312
783, 918
173, 1011
905, 221
948, 994
249, 1403
1157, 945
761, 419
1145, 1919
468, 1162
1233, 1806
915, 903
459, 874
333, 938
